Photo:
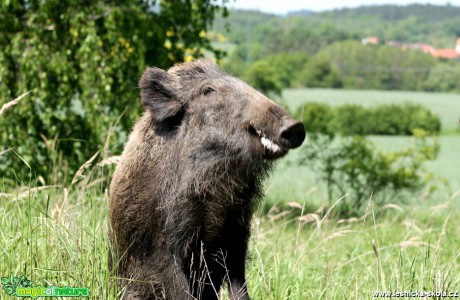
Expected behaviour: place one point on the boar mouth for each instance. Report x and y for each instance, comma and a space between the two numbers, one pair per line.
268, 144
272, 149
290, 135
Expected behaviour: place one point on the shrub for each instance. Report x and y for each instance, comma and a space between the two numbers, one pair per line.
354, 166
388, 119
422, 118
316, 117
395, 119
351, 119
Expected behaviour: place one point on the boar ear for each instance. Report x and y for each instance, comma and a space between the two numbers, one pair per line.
157, 94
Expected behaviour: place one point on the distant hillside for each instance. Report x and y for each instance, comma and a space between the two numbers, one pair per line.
305, 49
435, 25
428, 13
240, 23
300, 13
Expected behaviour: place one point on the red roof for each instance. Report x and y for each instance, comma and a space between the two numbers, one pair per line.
373, 40
445, 53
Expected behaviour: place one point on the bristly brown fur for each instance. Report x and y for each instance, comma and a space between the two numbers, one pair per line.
187, 183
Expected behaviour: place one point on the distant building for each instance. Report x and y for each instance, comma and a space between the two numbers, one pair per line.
448, 53
445, 53
422, 47
453, 53
370, 40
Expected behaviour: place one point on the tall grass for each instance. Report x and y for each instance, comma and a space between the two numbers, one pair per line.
58, 236
11, 103
349, 259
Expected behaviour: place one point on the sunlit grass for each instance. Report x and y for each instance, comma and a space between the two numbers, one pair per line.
55, 237
337, 261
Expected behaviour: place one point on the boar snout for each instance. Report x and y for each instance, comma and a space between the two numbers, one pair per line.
291, 134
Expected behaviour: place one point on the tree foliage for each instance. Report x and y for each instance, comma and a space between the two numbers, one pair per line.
378, 67
443, 77
432, 24
264, 77
319, 72
81, 60
273, 73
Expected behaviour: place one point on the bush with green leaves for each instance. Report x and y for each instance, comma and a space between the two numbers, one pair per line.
403, 119
353, 166
387, 119
317, 117
354, 119
82, 60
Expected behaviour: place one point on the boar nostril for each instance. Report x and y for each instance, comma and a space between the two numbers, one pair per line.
292, 134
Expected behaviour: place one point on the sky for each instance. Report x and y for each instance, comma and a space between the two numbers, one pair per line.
284, 6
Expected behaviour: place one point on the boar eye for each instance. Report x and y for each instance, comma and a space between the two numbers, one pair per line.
207, 90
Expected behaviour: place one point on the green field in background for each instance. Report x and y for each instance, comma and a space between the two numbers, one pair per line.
291, 182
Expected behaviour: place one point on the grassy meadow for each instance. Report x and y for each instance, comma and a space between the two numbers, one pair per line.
57, 235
